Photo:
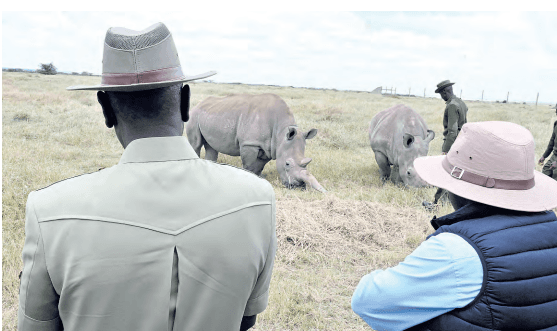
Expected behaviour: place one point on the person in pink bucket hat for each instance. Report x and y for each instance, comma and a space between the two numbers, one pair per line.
490, 265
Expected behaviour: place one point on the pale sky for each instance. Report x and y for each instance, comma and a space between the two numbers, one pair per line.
496, 52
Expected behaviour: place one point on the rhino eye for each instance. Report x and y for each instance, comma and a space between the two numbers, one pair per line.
288, 163
408, 173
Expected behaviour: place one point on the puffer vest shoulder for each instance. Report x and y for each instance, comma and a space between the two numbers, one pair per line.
519, 256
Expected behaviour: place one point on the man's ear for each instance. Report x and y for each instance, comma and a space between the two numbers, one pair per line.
185, 102
108, 112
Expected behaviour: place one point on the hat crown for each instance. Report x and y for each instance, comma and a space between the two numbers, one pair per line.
126, 39
498, 150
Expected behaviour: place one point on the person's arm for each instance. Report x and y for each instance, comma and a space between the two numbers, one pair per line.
38, 300
442, 274
259, 297
551, 143
247, 322
452, 127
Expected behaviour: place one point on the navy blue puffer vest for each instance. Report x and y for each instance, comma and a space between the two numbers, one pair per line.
519, 255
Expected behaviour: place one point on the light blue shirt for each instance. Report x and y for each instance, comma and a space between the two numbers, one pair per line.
442, 274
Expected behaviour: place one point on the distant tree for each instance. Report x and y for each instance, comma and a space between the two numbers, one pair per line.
47, 69
85, 73
75, 73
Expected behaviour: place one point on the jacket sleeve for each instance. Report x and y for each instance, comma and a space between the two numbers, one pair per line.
259, 298
452, 127
551, 144
38, 300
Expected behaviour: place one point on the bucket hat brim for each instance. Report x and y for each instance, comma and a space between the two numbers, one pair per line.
541, 197
140, 86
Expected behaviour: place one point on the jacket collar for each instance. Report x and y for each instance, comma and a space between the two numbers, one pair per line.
158, 149
450, 99
471, 211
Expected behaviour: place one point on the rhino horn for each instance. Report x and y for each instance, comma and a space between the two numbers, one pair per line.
407, 139
305, 162
311, 181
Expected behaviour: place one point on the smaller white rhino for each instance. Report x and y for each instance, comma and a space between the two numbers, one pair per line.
398, 135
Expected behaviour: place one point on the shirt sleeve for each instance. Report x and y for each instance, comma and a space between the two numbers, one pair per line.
442, 274
38, 301
259, 298
452, 127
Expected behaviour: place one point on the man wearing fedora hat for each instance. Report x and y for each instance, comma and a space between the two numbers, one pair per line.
453, 120
551, 164
161, 241
490, 265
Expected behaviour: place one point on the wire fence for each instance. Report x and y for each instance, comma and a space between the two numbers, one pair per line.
393, 91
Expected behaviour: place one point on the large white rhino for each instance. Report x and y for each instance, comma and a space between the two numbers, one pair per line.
258, 128
398, 135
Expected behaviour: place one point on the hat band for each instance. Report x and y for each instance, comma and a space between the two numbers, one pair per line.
484, 181
153, 76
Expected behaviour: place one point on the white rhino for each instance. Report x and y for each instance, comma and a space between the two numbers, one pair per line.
398, 135
258, 128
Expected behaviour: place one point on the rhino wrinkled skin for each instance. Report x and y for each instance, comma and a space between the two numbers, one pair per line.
258, 128
398, 135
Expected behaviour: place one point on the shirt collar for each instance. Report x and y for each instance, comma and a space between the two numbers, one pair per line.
158, 149
450, 99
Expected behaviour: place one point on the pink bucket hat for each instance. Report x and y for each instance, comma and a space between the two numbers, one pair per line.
492, 163
140, 60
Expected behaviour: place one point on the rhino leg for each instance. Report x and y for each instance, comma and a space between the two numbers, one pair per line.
210, 153
384, 166
395, 175
194, 135
253, 159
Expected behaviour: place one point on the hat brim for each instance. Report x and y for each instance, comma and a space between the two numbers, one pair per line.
141, 86
442, 87
543, 196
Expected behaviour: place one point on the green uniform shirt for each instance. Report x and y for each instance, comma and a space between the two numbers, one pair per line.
161, 241
552, 146
453, 120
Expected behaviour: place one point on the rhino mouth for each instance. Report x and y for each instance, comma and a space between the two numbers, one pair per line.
293, 183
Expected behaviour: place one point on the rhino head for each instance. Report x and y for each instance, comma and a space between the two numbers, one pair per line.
413, 147
291, 162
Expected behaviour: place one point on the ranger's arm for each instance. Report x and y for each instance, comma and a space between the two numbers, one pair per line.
452, 127
551, 144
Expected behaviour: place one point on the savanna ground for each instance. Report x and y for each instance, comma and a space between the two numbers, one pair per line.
326, 243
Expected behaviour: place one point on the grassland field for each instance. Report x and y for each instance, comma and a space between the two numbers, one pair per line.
326, 242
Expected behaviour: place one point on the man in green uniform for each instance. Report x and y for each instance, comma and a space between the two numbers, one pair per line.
551, 164
453, 120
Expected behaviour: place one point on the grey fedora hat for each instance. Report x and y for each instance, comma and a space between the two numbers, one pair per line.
140, 60
442, 85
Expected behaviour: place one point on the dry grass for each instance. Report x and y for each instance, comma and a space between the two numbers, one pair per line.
326, 242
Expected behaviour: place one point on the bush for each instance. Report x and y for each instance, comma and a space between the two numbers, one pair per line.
47, 69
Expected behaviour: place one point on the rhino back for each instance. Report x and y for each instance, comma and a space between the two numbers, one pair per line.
388, 127
228, 123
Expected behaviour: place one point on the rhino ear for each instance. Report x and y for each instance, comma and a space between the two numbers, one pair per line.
291, 133
407, 140
430, 135
310, 134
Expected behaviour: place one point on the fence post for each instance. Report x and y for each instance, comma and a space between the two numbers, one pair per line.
482, 95
424, 92
409, 89
460, 93
537, 99
395, 90
508, 96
